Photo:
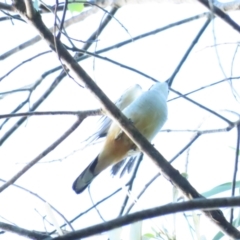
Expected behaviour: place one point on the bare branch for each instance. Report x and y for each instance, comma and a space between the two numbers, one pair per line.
204, 204
23, 62
94, 205
203, 107
143, 191
34, 106
43, 154
221, 14
170, 80
140, 158
141, 36
43, 200
206, 86
7, 7
23, 232
76, 113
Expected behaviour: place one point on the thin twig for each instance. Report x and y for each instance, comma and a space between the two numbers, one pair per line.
43, 200
34, 106
170, 80
23, 62
43, 154
141, 36
130, 186
143, 191
235, 168
75, 113
203, 107
94, 205
206, 86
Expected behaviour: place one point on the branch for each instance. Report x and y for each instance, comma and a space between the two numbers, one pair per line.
23, 62
43, 200
204, 87
23, 232
43, 154
125, 202
4, 6
76, 19
204, 204
34, 106
221, 14
92, 207
76, 113
203, 107
141, 36
184, 58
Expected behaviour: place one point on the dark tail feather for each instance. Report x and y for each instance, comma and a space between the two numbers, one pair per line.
85, 178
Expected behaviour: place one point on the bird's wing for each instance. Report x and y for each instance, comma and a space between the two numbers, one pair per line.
104, 122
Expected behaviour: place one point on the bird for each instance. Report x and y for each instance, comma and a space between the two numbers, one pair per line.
148, 112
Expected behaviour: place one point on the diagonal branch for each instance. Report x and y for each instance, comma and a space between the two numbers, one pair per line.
43, 200
221, 14
184, 58
33, 108
144, 35
203, 107
43, 154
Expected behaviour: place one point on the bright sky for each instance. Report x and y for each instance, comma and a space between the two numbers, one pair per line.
211, 159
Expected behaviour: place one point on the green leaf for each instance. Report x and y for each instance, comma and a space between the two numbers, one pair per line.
149, 235
185, 175
75, 7
220, 188
218, 236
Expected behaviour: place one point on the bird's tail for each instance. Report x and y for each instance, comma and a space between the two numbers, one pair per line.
85, 178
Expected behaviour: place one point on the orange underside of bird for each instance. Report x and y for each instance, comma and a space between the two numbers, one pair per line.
148, 113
